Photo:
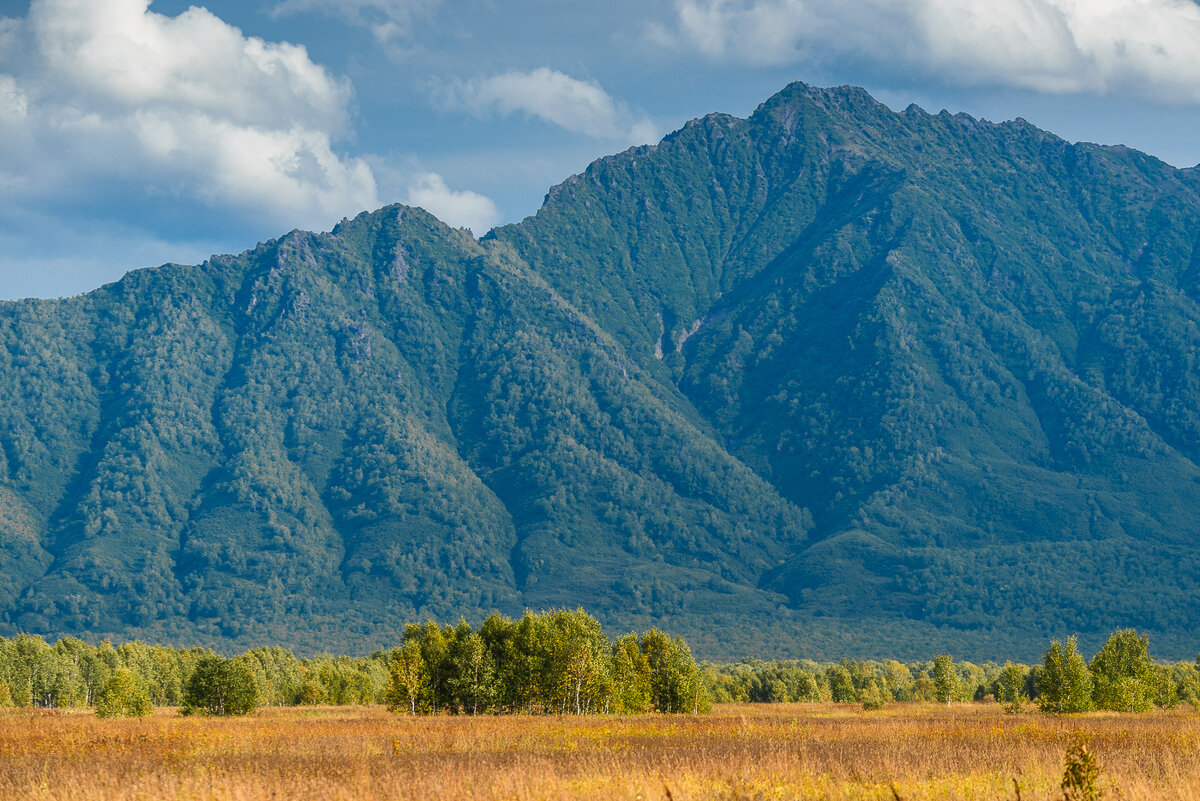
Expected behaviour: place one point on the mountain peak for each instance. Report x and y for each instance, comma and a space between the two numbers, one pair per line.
829, 369
798, 99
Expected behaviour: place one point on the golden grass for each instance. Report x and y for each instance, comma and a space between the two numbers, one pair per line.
783, 751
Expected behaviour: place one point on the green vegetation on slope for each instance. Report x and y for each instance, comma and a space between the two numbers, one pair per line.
967, 349
321, 438
827, 380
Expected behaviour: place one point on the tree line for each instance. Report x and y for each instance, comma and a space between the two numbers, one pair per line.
561, 662
557, 662
1121, 676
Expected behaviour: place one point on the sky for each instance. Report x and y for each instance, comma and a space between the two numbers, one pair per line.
135, 133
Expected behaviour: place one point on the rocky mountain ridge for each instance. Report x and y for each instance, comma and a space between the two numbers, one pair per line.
830, 380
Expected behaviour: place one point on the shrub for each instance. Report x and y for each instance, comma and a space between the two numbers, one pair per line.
873, 697
1081, 776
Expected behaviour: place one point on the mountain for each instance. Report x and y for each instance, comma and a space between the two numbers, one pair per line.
827, 381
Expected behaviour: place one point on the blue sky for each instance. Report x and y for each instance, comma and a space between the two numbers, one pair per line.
133, 133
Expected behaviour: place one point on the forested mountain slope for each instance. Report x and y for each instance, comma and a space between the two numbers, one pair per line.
827, 381
330, 436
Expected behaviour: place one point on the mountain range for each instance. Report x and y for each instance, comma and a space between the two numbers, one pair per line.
827, 381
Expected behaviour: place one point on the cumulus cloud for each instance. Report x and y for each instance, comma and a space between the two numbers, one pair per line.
120, 55
1145, 47
461, 209
14, 106
9, 34
187, 106
577, 106
390, 21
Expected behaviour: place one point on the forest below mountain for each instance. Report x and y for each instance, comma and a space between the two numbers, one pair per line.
827, 381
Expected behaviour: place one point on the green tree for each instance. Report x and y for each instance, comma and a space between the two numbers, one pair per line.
27, 669
1163, 690
675, 682
499, 635
1186, 679
945, 679
841, 685
1122, 673
6, 698
923, 688
899, 680
280, 676
220, 686
95, 666
874, 696
580, 659
472, 672
71, 654
532, 673
348, 681
123, 696
434, 646
631, 676
407, 679
1010, 688
312, 693
806, 688
1065, 683
164, 675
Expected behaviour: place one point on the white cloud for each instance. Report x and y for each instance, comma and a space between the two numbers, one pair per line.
186, 106
9, 35
578, 106
121, 55
390, 21
461, 209
294, 172
14, 105
1145, 47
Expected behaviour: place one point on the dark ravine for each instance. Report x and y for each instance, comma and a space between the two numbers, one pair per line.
827, 381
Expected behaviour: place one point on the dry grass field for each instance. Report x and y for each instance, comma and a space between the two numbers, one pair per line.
784, 751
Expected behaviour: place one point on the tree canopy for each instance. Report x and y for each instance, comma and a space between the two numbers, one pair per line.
220, 686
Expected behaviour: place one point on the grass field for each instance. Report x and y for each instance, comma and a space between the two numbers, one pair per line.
782, 751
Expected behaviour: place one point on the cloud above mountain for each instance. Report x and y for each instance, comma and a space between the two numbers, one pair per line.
1142, 47
578, 106
461, 208
108, 91
167, 130
390, 21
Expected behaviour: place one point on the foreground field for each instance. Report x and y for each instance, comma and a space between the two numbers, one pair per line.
781, 751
